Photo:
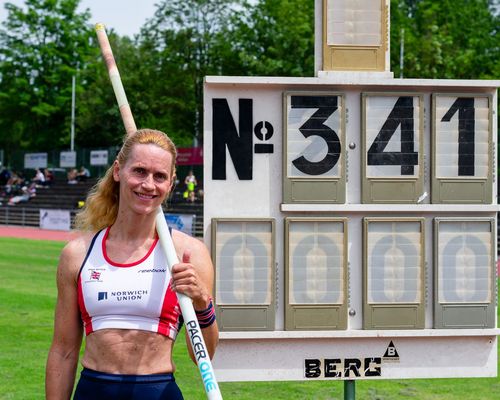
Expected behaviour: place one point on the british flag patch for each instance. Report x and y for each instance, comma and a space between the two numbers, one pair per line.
95, 275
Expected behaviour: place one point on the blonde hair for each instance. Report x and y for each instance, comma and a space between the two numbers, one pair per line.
101, 206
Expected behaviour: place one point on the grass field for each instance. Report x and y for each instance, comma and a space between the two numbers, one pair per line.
27, 297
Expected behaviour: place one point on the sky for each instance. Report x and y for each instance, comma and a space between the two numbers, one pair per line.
125, 16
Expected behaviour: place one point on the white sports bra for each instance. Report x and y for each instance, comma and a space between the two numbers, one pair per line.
127, 296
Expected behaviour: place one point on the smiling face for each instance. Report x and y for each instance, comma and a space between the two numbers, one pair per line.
145, 178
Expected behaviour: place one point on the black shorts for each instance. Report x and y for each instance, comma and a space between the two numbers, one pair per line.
95, 385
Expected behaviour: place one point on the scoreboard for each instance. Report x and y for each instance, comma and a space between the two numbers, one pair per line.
352, 220
351, 217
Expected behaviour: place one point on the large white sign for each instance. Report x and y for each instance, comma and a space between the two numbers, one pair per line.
67, 159
99, 157
59, 220
261, 134
35, 160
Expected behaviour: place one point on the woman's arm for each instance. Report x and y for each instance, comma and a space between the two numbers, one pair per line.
64, 352
194, 277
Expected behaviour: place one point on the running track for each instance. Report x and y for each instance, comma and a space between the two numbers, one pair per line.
35, 233
45, 234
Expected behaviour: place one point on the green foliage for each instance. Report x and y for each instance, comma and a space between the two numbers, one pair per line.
41, 47
448, 39
46, 43
275, 38
179, 46
98, 119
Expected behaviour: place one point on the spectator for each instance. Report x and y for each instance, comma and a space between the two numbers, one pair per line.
27, 193
72, 174
13, 184
39, 177
4, 176
83, 174
192, 197
49, 177
190, 182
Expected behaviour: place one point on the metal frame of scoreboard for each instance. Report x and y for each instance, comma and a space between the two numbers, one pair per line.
352, 224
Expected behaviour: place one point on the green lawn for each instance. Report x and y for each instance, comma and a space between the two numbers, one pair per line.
27, 297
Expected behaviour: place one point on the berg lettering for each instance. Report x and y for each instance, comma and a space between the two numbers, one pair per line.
343, 368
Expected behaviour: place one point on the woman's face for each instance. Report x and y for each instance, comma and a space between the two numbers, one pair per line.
145, 179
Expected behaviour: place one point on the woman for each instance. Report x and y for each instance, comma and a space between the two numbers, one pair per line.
39, 177
190, 182
115, 285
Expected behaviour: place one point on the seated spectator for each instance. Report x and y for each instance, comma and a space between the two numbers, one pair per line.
83, 174
49, 177
192, 197
4, 176
72, 174
200, 194
13, 184
27, 193
39, 177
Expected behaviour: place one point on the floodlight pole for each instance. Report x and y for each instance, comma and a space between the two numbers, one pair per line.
401, 53
73, 90
349, 390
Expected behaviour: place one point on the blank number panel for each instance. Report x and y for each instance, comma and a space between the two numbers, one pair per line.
354, 35
316, 273
243, 251
464, 272
393, 273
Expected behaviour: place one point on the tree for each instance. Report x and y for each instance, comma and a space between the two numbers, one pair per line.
275, 38
41, 47
44, 44
458, 39
98, 118
181, 45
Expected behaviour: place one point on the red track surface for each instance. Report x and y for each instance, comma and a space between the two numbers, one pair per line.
35, 233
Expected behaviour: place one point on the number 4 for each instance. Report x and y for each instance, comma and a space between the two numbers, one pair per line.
401, 115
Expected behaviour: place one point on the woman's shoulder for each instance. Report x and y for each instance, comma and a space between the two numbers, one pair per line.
184, 241
72, 257
75, 250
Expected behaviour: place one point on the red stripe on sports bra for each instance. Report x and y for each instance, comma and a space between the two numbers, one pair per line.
169, 315
87, 320
115, 264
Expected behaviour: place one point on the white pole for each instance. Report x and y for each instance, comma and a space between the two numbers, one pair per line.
73, 89
192, 326
193, 329
401, 53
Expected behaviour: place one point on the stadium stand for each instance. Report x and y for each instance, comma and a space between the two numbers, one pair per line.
63, 196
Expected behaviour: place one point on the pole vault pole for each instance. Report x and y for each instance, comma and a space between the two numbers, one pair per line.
193, 329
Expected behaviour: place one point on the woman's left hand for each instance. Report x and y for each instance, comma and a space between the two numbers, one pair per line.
186, 280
